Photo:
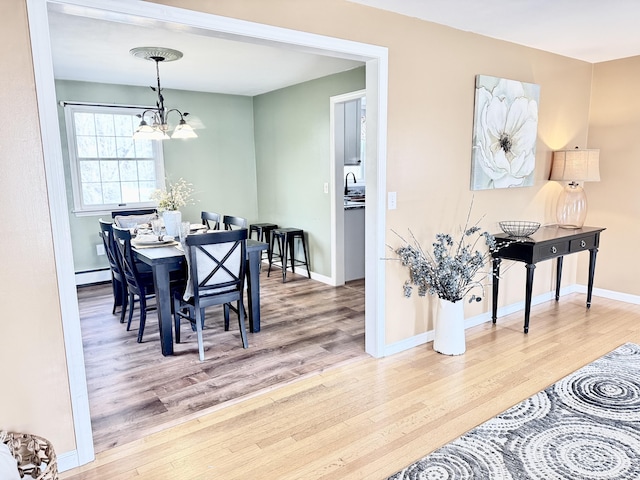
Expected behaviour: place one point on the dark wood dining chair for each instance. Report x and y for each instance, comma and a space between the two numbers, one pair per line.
216, 277
139, 278
211, 220
118, 282
230, 221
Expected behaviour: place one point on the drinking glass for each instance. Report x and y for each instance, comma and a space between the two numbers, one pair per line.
156, 226
184, 230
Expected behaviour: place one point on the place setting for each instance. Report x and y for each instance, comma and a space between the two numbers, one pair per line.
155, 236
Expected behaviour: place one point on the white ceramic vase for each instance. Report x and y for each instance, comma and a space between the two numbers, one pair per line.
172, 220
449, 329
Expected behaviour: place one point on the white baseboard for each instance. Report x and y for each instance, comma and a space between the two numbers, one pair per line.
321, 278
423, 338
621, 297
301, 270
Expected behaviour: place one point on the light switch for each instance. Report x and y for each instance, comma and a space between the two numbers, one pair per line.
100, 250
391, 200
326, 187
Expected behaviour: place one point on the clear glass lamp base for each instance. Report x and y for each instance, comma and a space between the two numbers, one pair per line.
572, 207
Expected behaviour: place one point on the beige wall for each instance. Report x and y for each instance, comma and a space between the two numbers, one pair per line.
614, 202
35, 389
431, 94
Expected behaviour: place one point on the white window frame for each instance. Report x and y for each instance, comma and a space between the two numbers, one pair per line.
79, 209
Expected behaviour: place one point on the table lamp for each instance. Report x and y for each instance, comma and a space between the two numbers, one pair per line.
573, 166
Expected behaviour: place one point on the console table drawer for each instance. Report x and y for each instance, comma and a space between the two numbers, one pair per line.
580, 244
551, 250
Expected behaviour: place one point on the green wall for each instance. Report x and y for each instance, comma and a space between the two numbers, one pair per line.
293, 157
220, 163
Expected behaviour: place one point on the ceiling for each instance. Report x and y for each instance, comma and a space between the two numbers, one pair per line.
590, 30
97, 49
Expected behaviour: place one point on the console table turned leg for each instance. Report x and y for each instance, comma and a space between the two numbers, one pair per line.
558, 277
592, 269
527, 303
495, 280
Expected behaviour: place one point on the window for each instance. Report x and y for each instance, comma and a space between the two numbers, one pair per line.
109, 169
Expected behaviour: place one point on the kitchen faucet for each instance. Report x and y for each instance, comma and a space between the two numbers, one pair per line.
346, 178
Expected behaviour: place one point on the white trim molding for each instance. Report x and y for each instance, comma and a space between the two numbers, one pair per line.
52, 150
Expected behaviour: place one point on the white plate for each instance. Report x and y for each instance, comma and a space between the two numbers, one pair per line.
152, 241
197, 226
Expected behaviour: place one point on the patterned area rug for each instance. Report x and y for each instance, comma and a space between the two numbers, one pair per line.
586, 426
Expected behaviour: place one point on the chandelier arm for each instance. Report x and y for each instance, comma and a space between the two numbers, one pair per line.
182, 115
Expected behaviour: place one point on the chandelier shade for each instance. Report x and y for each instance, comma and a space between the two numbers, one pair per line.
158, 116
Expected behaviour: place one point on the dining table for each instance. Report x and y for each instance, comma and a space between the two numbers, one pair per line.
165, 259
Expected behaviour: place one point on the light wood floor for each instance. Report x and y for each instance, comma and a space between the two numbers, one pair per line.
370, 418
134, 391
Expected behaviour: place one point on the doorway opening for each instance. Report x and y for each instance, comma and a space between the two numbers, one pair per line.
146, 13
348, 159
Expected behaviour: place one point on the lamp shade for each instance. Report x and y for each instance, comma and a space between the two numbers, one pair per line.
184, 130
576, 165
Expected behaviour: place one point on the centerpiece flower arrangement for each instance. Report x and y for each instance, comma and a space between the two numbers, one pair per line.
176, 196
450, 269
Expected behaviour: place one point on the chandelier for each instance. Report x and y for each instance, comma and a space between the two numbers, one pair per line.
159, 126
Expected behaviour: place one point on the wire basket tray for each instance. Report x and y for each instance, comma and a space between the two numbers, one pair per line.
519, 228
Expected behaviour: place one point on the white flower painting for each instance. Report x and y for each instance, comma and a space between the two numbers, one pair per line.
504, 133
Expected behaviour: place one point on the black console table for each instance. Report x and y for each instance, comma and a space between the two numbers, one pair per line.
547, 243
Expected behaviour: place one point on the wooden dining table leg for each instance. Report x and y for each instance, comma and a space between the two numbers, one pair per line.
163, 299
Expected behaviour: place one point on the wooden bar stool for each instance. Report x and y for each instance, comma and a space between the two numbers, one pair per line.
286, 238
263, 233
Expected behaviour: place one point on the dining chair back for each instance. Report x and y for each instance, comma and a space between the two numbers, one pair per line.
118, 282
140, 211
230, 221
211, 220
138, 277
216, 277
131, 218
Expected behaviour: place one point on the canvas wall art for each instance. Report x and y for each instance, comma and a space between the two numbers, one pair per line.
505, 129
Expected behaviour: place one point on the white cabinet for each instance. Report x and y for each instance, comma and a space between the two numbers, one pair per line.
352, 129
348, 124
354, 244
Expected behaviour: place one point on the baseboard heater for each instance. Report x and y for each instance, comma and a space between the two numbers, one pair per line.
92, 277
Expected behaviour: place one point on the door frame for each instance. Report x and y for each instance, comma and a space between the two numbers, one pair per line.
376, 59
337, 197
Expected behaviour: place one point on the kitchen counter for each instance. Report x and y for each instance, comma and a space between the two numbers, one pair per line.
353, 202
353, 205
